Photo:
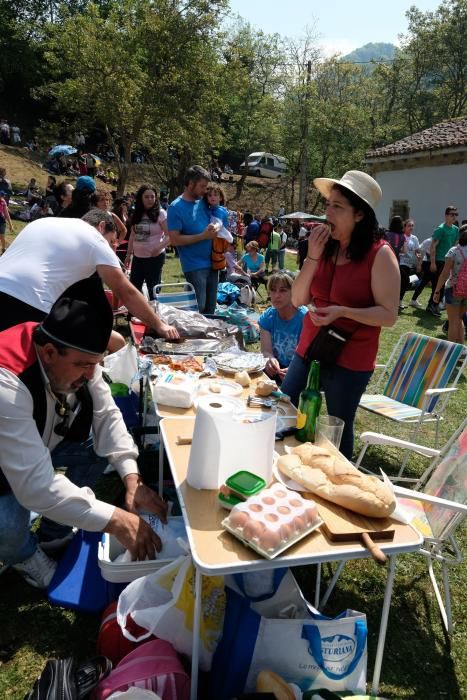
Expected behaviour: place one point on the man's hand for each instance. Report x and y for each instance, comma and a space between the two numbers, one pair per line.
140, 497
211, 231
168, 332
134, 534
432, 267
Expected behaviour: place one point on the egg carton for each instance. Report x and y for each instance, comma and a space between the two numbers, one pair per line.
273, 520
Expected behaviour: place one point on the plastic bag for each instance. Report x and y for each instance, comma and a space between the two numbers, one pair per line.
121, 366
163, 603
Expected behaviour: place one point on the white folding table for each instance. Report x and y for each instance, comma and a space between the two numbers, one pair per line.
216, 552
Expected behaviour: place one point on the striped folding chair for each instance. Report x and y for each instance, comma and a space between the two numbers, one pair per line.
418, 379
182, 295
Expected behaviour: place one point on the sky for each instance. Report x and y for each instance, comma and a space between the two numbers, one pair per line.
342, 25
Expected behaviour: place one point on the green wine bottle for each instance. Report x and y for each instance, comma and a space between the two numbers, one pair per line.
309, 406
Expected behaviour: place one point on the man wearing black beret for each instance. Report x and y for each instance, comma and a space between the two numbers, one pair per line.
51, 395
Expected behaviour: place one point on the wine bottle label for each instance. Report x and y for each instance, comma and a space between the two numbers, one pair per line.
301, 420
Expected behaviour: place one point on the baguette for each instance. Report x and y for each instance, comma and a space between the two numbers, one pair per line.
342, 484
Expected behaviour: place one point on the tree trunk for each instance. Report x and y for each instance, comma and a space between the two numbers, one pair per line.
239, 186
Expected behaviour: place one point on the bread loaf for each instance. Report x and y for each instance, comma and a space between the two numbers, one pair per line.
270, 682
338, 482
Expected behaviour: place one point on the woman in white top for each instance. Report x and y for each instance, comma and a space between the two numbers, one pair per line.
456, 306
148, 240
409, 259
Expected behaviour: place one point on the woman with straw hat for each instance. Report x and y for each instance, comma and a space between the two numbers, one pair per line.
352, 278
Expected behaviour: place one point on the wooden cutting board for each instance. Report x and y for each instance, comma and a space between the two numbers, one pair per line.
343, 525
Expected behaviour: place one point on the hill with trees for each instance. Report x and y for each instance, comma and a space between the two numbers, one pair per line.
371, 52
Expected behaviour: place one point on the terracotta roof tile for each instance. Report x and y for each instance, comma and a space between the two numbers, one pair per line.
443, 135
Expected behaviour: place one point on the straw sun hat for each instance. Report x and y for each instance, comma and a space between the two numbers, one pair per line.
357, 182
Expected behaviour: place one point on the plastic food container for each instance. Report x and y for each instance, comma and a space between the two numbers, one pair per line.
124, 572
239, 487
273, 520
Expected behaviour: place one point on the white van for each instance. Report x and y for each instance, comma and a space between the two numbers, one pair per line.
265, 165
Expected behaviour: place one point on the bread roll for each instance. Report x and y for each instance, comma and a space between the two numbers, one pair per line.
342, 484
242, 378
270, 682
265, 388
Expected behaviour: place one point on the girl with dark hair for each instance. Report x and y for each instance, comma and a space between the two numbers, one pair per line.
395, 236
148, 240
352, 279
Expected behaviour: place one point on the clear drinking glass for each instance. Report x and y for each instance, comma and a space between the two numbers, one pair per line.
331, 428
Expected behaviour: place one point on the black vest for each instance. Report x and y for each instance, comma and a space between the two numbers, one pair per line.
79, 429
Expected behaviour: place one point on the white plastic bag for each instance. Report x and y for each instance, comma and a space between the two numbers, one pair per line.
247, 295
163, 604
121, 366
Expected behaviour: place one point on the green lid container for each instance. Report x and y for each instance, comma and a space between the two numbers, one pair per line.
245, 484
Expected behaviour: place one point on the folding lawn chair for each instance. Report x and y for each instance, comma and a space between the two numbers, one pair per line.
435, 509
179, 294
423, 372
182, 295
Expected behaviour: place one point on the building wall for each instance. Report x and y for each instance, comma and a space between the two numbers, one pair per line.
429, 191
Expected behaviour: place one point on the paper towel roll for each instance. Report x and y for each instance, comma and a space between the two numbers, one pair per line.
212, 423
224, 443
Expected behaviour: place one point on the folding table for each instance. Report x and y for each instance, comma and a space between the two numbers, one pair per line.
216, 552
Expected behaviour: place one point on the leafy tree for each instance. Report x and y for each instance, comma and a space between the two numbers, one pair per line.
137, 69
252, 80
427, 82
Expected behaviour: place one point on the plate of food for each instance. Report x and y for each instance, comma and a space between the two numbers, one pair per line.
221, 387
179, 363
231, 363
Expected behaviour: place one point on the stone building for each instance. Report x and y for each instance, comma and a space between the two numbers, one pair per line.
422, 174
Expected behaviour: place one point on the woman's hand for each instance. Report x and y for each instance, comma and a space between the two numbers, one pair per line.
436, 297
317, 240
325, 315
127, 261
272, 367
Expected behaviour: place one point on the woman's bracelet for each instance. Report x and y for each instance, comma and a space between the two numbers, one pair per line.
314, 259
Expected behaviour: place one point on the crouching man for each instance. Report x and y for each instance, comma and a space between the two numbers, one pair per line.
52, 395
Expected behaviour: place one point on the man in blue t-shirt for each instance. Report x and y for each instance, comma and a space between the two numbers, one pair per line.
190, 231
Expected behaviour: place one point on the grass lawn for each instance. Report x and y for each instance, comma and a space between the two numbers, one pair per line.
420, 661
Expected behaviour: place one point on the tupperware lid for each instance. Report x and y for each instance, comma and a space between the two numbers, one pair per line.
245, 483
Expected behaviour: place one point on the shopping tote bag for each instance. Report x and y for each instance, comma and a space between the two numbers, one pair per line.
313, 651
163, 604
